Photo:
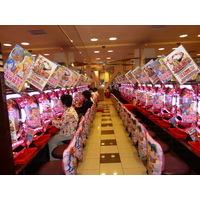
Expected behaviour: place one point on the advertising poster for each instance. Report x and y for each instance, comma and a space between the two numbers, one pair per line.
17, 67
41, 72
75, 77
161, 70
140, 75
67, 78
181, 65
56, 76
130, 77
150, 73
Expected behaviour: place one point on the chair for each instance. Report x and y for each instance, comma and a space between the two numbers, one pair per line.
68, 164
142, 142
158, 163
58, 151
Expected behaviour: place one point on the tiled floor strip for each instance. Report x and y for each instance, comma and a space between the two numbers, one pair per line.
109, 150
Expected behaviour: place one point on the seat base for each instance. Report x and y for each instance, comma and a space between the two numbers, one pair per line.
53, 167
58, 151
175, 166
165, 147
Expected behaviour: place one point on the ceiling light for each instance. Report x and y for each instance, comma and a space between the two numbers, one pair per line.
94, 39
98, 58
112, 38
110, 51
182, 36
160, 49
46, 54
174, 48
25, 43
33, 54
108, 58
198, 54
7, 45
198, 35
96, 51
159, 56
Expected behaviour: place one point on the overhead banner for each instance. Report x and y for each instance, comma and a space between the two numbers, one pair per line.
56, 76
161, 70
150, 73
140, 75
75, 77
41, 72
130, 77
17, 67
181, 65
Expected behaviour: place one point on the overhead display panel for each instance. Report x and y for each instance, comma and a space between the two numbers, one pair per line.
17, 67
150, 73
181, 65
56, 76
41, 72
130, 77
161, 70
140, 75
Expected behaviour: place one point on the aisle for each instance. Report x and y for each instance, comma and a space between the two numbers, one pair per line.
109, 150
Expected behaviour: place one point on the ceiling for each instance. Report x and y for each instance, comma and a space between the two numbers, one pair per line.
52, 39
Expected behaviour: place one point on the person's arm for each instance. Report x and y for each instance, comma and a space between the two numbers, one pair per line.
62, 122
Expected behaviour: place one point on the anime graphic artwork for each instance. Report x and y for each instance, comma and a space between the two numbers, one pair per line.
17, 68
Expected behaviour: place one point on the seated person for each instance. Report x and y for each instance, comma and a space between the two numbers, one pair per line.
87, 103
67, 124
92, 95
96, 93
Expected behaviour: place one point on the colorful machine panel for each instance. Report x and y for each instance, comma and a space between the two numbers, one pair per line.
17, 68
161, 70
181, 65
41, 72
56, 76
150, 73
130, 77
140, 75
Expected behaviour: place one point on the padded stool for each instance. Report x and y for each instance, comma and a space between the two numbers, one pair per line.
152, 134
53, 167
175, 166
165, 147
143, 124
66, 141
58, 151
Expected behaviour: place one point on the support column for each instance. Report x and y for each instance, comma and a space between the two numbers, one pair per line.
60, 58
146, 53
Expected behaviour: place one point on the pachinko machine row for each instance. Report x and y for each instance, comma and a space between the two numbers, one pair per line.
173, 107
30, 115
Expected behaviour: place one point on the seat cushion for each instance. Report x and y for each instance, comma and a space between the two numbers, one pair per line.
53, 167
175, 166
66, 141
58, 151
152, 134
165, 147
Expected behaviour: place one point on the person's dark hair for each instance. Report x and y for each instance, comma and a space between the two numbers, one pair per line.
86, 94
95, 89
91, 89
66, 100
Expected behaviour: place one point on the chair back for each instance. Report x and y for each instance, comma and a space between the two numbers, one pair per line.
155, 157
69, 161
142, 142
79, 141
134, 131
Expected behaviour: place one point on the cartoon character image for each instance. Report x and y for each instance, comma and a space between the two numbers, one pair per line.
17, 54
174, 61
10, 65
